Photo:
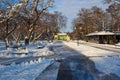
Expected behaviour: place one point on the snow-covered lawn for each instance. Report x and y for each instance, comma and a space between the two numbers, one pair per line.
30, 50
24, 71
105, 61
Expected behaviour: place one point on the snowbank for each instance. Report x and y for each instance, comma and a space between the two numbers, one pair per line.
42, 52
118, 44
24, 71
31, 50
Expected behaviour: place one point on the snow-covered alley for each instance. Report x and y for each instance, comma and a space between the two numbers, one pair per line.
77, 63
88, 61
106, 61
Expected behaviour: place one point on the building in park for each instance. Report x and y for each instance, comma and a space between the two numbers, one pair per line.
62, 36
103, 37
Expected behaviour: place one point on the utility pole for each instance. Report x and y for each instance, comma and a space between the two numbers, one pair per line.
103, 25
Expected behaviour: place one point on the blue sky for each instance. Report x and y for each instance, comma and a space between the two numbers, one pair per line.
70, 8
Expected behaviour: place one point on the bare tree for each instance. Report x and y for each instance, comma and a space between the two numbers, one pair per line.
7, 20
89, 20
35, 10
51, 23
114, 10
31, 10
112, 1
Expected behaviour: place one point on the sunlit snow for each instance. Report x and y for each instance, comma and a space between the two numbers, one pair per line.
105, 61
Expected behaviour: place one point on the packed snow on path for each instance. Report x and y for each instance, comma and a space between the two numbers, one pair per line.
24, 71
105, 61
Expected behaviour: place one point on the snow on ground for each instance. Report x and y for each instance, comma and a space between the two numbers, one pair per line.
31, 50
40, 52
108, 64
3, 52
118, 44
104, 45
89, 51
105, 61
24, 71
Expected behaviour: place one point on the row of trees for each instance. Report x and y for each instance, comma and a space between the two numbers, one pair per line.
28, 18
96, 19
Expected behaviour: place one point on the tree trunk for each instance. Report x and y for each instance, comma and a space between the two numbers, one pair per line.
6, 42
16, 38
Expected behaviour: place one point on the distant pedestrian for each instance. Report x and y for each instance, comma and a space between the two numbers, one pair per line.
51, 48
26, 41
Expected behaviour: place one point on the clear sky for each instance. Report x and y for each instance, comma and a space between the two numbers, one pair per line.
70, 8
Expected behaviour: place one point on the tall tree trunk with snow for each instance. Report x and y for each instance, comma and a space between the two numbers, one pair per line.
6, 42
37, 13
7, 32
